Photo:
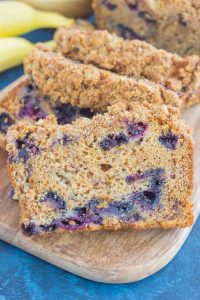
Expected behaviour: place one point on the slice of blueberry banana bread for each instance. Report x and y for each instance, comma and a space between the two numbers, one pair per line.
133, 58
26, 102
83, 85
131, 167
171, 25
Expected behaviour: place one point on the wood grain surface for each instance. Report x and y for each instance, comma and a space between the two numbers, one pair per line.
113, 257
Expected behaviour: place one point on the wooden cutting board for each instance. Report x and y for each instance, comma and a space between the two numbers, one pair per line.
113, 257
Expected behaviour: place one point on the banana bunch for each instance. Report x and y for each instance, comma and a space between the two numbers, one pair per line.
17, 18
13, 50
68, 8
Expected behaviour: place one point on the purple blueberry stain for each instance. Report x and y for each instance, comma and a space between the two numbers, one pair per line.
129, 209
26, 147
32, 110
5, 122
120, 208
55, 200
141, 14
48, 227
181, 20
87, 113
113, 140
146, 17
11, 193
23, 155
92, 204
108, 4
31, 99
82, 217
132, 6
128, 33
149, 198
135, 177
64, 139
136, 129
65, 113
168, 140
29, 229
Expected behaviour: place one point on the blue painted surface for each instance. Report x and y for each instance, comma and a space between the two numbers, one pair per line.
25, 277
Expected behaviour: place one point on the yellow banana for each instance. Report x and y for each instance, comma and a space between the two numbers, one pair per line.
13, 50
18, 18
68, 8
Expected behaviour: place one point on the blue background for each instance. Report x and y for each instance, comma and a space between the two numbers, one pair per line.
25, 277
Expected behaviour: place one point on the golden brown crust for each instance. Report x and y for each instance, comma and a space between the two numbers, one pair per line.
87, 86
133, 58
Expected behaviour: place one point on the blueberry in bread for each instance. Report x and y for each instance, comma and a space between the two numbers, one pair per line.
85, 85
171, 25
26, 102
132, 58
130, 167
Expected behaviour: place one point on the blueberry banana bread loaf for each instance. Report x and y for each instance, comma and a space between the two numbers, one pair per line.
130, 167
133, 58
83, 85
171, 25
26, 102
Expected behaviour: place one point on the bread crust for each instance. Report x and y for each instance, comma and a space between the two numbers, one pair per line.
84, 85
132, 58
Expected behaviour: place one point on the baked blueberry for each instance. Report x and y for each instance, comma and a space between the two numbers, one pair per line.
182, 20
86, 112
54, 199
23, 154
113, 140
145, 16
92, 204
65, 113
65, 139
26, 146
148, 198
128, 33
136, 129
169, 140
31, 109
137, 176
29, 229
108, 4
121, 207
5, 122
31, 99
11, 192
49, 227
132, 6
150, 195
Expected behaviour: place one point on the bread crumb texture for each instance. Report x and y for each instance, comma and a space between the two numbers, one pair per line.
131, 167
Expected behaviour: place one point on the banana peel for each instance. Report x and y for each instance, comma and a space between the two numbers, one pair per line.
17, 18
68, 8
13, 50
